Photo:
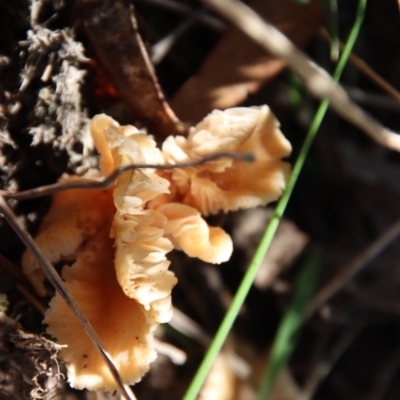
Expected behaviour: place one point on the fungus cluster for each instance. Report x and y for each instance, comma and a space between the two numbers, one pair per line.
113, 243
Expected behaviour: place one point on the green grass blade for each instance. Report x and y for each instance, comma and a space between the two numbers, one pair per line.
269, 233
290, 325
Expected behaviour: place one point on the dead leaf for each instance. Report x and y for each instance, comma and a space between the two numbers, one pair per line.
238, 67
288, 243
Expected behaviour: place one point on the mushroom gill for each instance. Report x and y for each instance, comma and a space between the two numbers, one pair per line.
226, 184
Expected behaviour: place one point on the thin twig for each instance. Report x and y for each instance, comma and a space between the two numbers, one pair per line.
109, 180
185, 325
56, 281
12, 270
373, 301
21, 283
177, 356
31, 298
317, 80
182, 323
367, 70
160, 49
347, 273
383, 378
324, 367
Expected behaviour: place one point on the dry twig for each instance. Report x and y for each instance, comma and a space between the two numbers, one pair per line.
317, 80
367, 70
182, 323
347, 272
21, 283
108, 181
324, 366
160, 49
373, 301
385, 376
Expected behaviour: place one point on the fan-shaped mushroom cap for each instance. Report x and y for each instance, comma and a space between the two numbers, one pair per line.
121, 323
189, 232
227, 184
74, 216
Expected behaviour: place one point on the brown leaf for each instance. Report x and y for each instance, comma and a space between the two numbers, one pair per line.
238, 67
288, 243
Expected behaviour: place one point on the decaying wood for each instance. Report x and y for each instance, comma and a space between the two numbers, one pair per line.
113, 30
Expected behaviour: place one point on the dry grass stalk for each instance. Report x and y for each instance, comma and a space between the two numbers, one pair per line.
317, 80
